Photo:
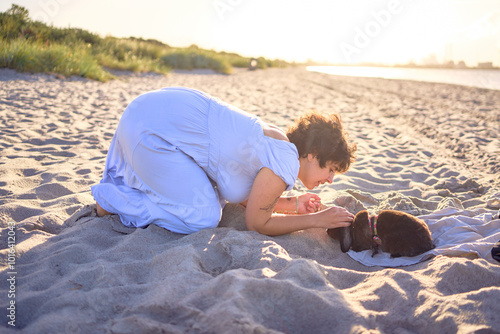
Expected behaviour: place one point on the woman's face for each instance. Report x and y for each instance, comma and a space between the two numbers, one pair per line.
312, 175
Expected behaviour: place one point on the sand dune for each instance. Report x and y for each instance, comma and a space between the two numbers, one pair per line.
422, 147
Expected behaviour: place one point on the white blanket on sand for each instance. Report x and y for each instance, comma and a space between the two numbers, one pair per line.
465, 233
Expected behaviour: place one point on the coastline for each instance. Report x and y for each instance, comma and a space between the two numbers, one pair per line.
486, 78
422, 147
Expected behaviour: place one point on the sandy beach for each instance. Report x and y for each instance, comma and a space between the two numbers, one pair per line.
429, 149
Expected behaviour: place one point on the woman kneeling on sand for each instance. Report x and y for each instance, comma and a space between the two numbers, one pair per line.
178, 155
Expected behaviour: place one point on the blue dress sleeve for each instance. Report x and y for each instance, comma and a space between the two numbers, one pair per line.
282, 158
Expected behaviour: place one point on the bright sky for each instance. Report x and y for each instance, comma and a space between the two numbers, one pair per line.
336, 31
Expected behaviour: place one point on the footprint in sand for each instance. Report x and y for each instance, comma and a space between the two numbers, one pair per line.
455, 185
51, 191
494, 202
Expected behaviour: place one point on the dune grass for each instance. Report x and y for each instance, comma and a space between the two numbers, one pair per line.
32, 46
193, 58
24, 56
130, 54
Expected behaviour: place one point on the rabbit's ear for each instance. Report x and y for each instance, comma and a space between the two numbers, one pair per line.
343, 235
345, 238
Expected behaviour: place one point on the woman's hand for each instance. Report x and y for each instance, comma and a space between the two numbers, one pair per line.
309, 203
266, 193
334, 217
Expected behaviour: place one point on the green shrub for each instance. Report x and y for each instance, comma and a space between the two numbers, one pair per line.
189, 59
130, 54
31, 46
24, 56
132, 63
13, 21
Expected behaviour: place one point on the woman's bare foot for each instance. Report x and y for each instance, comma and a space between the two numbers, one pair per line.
100, 211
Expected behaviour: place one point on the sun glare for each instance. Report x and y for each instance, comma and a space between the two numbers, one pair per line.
327, 31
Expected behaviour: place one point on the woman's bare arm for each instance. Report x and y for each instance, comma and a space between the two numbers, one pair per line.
265, 194
286, 204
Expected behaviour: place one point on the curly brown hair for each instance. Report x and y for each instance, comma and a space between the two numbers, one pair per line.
324, 136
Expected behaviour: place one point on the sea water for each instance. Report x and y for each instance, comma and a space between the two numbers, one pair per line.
489, 79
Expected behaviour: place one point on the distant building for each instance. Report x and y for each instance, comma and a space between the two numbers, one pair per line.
487, 64
450, 64
461, 64
430, 60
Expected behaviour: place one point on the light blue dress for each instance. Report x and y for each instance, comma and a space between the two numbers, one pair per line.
178, 155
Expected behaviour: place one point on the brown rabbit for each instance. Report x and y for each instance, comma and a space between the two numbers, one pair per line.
395, 232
